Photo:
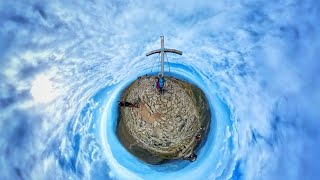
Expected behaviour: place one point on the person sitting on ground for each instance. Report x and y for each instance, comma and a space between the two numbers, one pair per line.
162, 81
191, 158
127, 104
198, 136
139, 78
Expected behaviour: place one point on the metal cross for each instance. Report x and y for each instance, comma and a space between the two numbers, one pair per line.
162, 51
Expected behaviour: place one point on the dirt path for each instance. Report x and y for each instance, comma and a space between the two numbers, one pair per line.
143, 110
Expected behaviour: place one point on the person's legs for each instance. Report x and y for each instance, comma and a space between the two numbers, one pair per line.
128, 104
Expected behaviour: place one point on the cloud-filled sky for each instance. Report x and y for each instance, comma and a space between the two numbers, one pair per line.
261, 56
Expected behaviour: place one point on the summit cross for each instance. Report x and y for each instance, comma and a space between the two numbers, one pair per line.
162, 51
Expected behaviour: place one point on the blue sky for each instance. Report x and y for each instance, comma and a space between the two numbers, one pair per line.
261, 58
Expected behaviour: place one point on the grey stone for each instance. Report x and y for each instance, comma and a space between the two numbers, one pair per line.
153, 109
155, 123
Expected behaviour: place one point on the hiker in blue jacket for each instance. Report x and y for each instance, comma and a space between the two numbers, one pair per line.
162, 81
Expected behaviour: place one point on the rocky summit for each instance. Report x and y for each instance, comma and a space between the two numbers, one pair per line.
166, 126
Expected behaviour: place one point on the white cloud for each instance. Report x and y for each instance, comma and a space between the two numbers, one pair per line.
260, 56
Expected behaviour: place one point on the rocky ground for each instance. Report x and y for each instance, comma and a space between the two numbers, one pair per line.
164, 126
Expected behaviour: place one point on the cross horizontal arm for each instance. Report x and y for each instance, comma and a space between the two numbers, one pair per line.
165, 50
173, 51
153, 52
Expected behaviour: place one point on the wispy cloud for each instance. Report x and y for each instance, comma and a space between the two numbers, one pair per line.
262, 56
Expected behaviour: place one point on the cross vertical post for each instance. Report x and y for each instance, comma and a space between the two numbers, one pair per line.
162, 55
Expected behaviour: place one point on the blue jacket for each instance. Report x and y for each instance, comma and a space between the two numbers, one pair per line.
161, 82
